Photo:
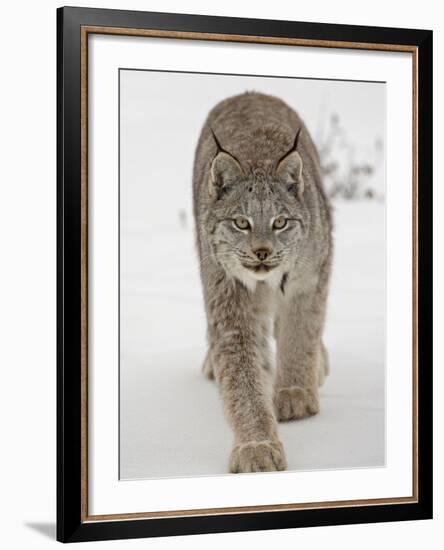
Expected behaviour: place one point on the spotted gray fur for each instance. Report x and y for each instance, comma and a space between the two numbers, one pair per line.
255, 160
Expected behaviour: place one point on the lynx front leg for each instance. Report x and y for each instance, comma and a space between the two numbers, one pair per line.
240, 361
300, 356
246, 390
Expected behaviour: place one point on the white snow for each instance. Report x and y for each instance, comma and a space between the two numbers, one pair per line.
172, 422
171, 418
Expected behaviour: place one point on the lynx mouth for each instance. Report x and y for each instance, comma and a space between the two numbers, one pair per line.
259, 268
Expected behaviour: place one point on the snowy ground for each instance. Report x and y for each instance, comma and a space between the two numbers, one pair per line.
171, 421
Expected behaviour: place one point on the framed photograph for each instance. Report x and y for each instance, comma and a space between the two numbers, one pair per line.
244, 274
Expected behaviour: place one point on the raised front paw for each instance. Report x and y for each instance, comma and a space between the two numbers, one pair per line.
294, 402
258, 456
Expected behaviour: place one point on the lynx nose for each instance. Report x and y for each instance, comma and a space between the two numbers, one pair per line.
262, 253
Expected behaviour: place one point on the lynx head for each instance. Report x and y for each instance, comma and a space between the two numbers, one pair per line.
257, 220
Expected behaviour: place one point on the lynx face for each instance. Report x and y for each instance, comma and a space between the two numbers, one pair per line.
258, 219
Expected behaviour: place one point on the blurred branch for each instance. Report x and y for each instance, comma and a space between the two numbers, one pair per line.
344, 176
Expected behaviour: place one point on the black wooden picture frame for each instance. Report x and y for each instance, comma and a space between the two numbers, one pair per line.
73, 522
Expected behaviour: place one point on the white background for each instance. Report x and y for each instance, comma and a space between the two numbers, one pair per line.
28, 275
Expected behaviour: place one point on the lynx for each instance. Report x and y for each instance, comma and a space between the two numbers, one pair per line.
263, 227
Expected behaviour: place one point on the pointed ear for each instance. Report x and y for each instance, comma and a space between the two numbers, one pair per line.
289, 171
225, 171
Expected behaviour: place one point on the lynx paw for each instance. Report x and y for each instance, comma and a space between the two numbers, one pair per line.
207, 367
258, 456
295, 402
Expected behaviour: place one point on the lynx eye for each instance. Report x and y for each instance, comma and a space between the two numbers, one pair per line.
241, 223
280, 222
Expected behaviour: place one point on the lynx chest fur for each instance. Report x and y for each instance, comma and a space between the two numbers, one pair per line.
263, 229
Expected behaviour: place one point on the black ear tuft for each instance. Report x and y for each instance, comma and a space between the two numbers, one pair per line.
218, 145
289, 169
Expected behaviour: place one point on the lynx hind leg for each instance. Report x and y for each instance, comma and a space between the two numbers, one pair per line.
207, 367
324, 365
